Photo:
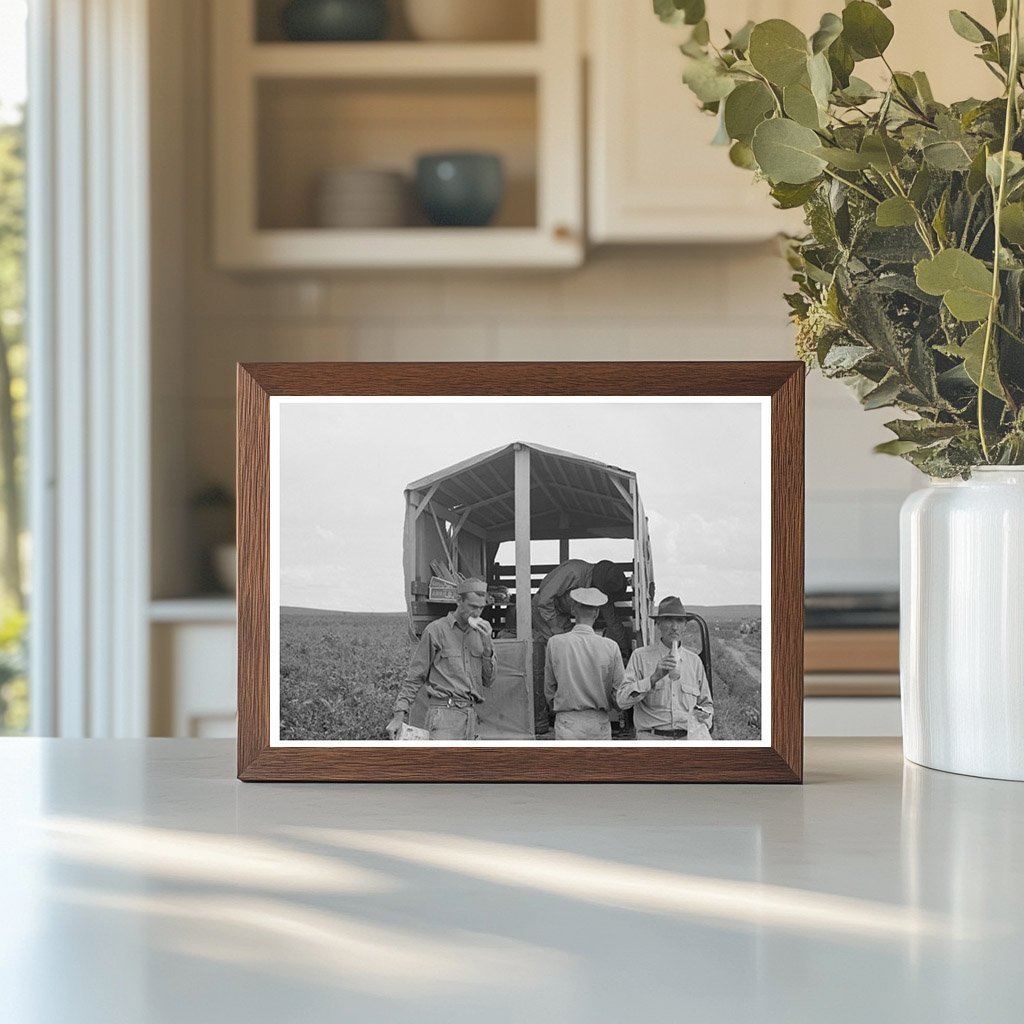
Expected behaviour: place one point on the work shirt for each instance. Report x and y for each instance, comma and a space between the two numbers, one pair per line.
669, 703
552, 606
582, 671
452, 661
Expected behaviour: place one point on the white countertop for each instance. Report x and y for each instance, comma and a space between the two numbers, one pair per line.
143, 884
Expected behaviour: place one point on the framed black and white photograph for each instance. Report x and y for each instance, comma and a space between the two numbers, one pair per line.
520, 571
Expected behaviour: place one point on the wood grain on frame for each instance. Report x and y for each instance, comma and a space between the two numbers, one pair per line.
782, 761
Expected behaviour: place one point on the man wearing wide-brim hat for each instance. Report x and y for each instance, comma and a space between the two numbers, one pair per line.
582, 672
666, 685
454, 659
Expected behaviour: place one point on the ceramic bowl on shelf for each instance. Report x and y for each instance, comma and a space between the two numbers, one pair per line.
460, 189
334, 20
361, 198
225, 566
470, 20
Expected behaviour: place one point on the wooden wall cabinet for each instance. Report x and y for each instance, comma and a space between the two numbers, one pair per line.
286, 112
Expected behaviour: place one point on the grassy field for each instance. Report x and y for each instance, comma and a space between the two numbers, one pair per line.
340, 672
736, 669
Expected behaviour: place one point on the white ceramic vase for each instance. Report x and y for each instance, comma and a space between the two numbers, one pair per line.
962, 624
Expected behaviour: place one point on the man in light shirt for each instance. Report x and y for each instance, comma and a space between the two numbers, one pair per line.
665, 684
582, 672
454, 660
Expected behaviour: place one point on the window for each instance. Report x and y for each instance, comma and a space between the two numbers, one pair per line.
14, 702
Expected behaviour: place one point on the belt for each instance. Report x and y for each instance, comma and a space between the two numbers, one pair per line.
451, 702
675, 734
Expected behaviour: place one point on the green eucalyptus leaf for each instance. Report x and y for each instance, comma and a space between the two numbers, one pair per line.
939, 220
883, 153
866, 29
946, 156
895, 447
701, 33
963, 281
994, 168
739, 41
969, 28
895, 212
742, 155
924, 88
829, 30
858, 91
820, 76
778, 50
923, 431
841, 60
788, 196
999, 7
1011, 225
884, 395
745, 108
976, 174
844, 159
785, 152
971, 352
695, 11
707, 80
800, 105
921, 185
679, 12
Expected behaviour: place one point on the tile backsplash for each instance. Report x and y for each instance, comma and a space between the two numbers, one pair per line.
716, 302
668, 302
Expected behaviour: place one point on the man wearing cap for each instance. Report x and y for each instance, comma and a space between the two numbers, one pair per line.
454, 659
552, 615
665, 684
582, 672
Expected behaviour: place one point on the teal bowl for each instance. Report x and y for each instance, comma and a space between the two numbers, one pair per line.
334, 21
461, 190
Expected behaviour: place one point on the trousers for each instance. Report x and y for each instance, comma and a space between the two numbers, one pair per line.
582, 725
447, 723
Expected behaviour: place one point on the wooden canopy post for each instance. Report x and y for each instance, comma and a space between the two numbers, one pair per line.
524, 618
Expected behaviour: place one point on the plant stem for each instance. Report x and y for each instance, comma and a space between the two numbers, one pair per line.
922, 225
855, 187
993, 309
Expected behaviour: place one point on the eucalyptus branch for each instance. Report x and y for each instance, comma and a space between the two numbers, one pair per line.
853, 185
993, 309
923, 227
771, 89
977, 238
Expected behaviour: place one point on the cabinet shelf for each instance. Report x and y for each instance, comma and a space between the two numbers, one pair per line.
310, 248
285, 114
392, 60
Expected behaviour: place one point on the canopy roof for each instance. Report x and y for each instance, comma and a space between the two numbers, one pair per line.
570, 495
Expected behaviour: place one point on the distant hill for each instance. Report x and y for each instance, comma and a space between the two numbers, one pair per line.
713, 613
721, 612
300, 612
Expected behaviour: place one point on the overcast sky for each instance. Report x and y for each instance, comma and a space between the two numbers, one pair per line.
345, 466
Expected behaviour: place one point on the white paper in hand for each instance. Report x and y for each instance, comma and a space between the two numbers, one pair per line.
411, 732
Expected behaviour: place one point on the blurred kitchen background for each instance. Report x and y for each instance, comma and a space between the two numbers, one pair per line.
289, 219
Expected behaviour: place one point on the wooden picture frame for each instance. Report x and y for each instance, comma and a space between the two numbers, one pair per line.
779, 758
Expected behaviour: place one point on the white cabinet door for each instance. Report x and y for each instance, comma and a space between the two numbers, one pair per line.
653, 174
